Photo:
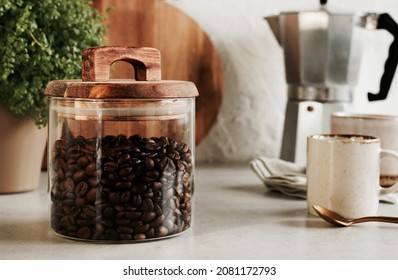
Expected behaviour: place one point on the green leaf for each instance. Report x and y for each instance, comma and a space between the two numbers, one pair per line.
42, 41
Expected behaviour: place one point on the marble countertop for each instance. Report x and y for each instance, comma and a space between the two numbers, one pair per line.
235, 218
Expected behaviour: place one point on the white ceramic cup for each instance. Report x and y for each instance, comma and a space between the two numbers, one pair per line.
383, 126
343, 173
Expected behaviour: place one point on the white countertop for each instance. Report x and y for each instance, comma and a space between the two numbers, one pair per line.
235, 218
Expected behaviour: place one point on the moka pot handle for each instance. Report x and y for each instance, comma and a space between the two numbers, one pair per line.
385, 21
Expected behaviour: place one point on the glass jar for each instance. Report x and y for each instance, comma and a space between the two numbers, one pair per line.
121, 152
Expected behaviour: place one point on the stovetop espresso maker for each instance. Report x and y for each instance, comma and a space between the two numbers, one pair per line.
322, 57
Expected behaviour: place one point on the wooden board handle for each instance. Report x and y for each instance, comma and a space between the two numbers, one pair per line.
97, 61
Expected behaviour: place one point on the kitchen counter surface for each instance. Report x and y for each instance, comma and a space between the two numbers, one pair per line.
235, 218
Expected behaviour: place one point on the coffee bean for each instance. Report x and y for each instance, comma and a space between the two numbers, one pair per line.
149, 163
125, 196
157, 209
141, 229
89, 210
81, 189
122, 222
124, 236
139, 188
109, 212
79, 176
123, 158
111, 234
133, 215
139, 236
123, 185
84, 233
147, 205
125, 230
91, 195
113, 176
125, 171
93, 181
69, 185
69, 195
114, 197
120, 188
110, 167
148, 217
136, 200
157, 222
91, 168
60, 174
80, 201
68, 202
83, 161
66, 221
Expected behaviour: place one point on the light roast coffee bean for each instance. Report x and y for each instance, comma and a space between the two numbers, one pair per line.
120, 188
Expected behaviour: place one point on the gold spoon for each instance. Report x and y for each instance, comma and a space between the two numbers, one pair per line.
337, 220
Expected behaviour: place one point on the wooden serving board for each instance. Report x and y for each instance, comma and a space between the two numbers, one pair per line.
186, 51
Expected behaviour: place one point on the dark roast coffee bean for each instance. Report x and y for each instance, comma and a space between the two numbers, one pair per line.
91, 168
81, 189
141, 229
83, 161
114, 197
90, 210
68, 202
122, 222
136, 200
125, 171
125, 236
125, 230
69, 185
157, 209
133, 215
120, 188
139, 188
148, 217
147, 205
84, 233
79, 176
125, 196
150, 233
123, 158
109, 212
80, 201
93, 181
123, 185
69, 195
91, 195
110, 167
157, 222
111, 234
149, 163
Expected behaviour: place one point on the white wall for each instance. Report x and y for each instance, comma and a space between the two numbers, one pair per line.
251, 119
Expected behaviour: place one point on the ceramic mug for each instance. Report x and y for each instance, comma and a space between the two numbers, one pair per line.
343, 173
383, 126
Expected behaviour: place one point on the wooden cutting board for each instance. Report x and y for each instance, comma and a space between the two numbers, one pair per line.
187, 52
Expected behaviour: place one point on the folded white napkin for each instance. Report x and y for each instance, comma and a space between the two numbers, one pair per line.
290, 179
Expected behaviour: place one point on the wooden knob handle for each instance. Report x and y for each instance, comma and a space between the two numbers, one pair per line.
97, 61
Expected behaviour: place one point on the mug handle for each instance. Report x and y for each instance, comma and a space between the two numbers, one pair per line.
393, 188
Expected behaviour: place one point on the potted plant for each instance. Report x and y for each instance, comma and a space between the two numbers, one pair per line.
40, 41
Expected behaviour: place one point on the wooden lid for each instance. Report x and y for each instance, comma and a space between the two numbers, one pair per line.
96, 83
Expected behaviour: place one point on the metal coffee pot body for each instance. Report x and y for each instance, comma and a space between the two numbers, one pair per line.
322, 54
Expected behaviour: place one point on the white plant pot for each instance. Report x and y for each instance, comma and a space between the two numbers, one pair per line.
22, 147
